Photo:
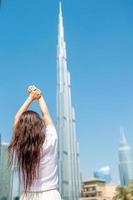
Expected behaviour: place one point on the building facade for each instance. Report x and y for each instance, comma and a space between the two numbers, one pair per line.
97, 189
5, 173
125, 161
69, 172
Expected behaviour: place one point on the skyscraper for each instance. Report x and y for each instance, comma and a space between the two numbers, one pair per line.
69, 172
125, 160
5, 173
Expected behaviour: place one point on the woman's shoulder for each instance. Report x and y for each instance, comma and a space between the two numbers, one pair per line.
50, 130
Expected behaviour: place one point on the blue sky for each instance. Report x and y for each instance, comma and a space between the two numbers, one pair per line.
99, 37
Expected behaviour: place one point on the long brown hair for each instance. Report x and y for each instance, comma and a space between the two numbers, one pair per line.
25, 147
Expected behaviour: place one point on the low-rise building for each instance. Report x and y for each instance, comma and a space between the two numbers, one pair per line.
97, 189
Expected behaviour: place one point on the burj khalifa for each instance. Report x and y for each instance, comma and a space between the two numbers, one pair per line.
69, 170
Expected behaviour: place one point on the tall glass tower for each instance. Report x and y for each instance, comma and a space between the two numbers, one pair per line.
125, 161
69, 172
5, 173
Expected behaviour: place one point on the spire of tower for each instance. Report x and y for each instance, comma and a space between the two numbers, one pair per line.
123, 141
60, 27
60, 7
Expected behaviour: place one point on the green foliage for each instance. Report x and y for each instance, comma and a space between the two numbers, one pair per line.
16, 198
124, 192
130, 191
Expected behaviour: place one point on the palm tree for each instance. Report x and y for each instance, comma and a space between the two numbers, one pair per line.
121, 193
130, 191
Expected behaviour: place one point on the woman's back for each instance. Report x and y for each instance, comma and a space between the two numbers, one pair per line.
47, 178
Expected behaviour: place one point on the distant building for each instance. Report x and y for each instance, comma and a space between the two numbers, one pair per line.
5, 174
125, 161
103, 174
97, 189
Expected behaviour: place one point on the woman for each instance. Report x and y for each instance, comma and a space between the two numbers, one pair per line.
34, 150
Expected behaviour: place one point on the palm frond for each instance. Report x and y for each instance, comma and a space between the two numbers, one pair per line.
130, 191
121, 193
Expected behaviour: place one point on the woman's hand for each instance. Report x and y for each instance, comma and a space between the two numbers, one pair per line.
34, 92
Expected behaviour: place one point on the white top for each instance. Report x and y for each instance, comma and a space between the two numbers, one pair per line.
48, 178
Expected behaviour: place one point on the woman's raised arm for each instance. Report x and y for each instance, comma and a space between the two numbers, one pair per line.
33, 96
44, 109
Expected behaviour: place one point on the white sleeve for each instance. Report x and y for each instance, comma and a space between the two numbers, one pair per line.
50, 130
